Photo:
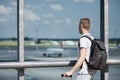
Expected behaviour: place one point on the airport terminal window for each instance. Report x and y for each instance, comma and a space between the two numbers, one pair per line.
8, 74
51, 27
114, 37
51, 33
8, 30
8, 37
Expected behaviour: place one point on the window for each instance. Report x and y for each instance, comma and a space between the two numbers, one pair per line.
114, 37
8, 30
51, 27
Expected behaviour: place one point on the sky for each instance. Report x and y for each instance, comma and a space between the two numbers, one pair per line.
56, 18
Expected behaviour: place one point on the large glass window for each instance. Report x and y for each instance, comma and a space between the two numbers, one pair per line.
8, 30
114, 37
51, 32
51, 27
8, 37
8, 74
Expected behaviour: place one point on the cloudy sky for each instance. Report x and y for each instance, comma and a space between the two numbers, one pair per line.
56, 18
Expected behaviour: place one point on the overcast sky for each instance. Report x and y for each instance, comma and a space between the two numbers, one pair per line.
56, 18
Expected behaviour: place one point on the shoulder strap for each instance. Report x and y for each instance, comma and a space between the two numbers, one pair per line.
88, 37
91, 42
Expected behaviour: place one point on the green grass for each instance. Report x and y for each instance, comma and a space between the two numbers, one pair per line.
8, 43
28, 44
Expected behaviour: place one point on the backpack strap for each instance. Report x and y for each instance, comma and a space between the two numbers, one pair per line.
91, 42
88, 37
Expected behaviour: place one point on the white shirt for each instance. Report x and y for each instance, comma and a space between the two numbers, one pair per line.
85, 43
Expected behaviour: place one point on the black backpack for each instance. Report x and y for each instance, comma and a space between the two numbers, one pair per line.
98, 55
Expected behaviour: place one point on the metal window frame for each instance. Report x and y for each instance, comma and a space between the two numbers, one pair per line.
20, 33
104, 33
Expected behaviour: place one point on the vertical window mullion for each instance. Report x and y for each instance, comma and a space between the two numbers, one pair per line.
20, 33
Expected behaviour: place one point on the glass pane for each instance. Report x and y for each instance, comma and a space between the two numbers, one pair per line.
114, 72
8, 30
42, 74
114, 38
114, 33
8, 74
51, 27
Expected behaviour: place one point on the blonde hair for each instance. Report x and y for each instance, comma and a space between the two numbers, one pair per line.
85, 22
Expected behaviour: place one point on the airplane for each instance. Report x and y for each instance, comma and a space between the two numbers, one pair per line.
53, 52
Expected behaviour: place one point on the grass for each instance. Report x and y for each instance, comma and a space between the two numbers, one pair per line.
8, 43
28, 44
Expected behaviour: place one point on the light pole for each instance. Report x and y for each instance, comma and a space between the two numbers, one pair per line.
36, 41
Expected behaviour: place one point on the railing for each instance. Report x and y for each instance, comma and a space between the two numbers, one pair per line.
47, 64
20, 66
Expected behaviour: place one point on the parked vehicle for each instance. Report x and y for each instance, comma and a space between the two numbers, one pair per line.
53, 52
